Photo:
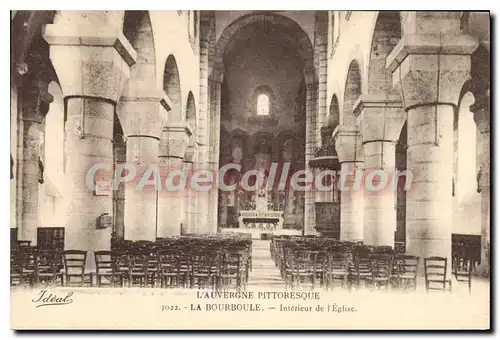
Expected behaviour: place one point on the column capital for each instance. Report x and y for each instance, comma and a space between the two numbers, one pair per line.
482, 112
217, 76
347, 144
431, 68
36, 99
143, 115
190, 153
90, 60
202, 155
380, 117
174, 140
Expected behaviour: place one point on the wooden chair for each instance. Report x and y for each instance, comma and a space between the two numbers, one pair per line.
74, 268
338, 269
168, 271
23, 264
462, 270
319, 264
436, 268
17, 276
301, 268
381, 268
121, 264
48, 266
232, 271
405, 271
138, 270
362, 271
107, 270
205, 269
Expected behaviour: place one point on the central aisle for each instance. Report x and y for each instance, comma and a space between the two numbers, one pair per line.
264, 274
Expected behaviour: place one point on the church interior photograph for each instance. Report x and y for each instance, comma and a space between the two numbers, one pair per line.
225, 150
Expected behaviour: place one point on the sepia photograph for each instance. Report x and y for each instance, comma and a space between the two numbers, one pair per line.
250, 170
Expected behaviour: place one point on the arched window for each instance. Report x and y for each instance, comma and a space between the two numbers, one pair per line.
263, 105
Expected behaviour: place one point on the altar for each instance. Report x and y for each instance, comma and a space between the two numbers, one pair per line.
262, 219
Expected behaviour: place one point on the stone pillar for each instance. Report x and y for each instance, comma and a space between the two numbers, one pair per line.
322, 66
481, 110
211, 226
140, 201
431, 71
142, 138
204, 104
92, 66
173, 143
380, 119
202, 197
36, 101
351, 186
189, 193
120, 155
199, 208
309, 209
223, 211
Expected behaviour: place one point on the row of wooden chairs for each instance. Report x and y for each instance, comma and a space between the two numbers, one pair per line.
206, 268
216, 261
34, 266
330, 263
193, 261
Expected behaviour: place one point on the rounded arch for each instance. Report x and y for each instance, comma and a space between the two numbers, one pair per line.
334, 113
172, 88
52, 160
321, 28
191, 110
55, 128
386, 35
351, 93
480, 67
467, 199
138, 30
191, 117
272, 19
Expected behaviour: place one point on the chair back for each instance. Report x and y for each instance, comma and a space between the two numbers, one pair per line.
138, 263
406, 265
363, 265
103, 262
462, 268
48, 260
74, 261
381, 266
435, 268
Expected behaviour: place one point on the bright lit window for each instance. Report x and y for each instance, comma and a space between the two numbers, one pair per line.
263, 105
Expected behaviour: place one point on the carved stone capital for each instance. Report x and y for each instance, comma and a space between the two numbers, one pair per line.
190, 154
90, 60
348, 144
36, 100
143, 115
174, 141
380, 118
431, 68
482, 113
